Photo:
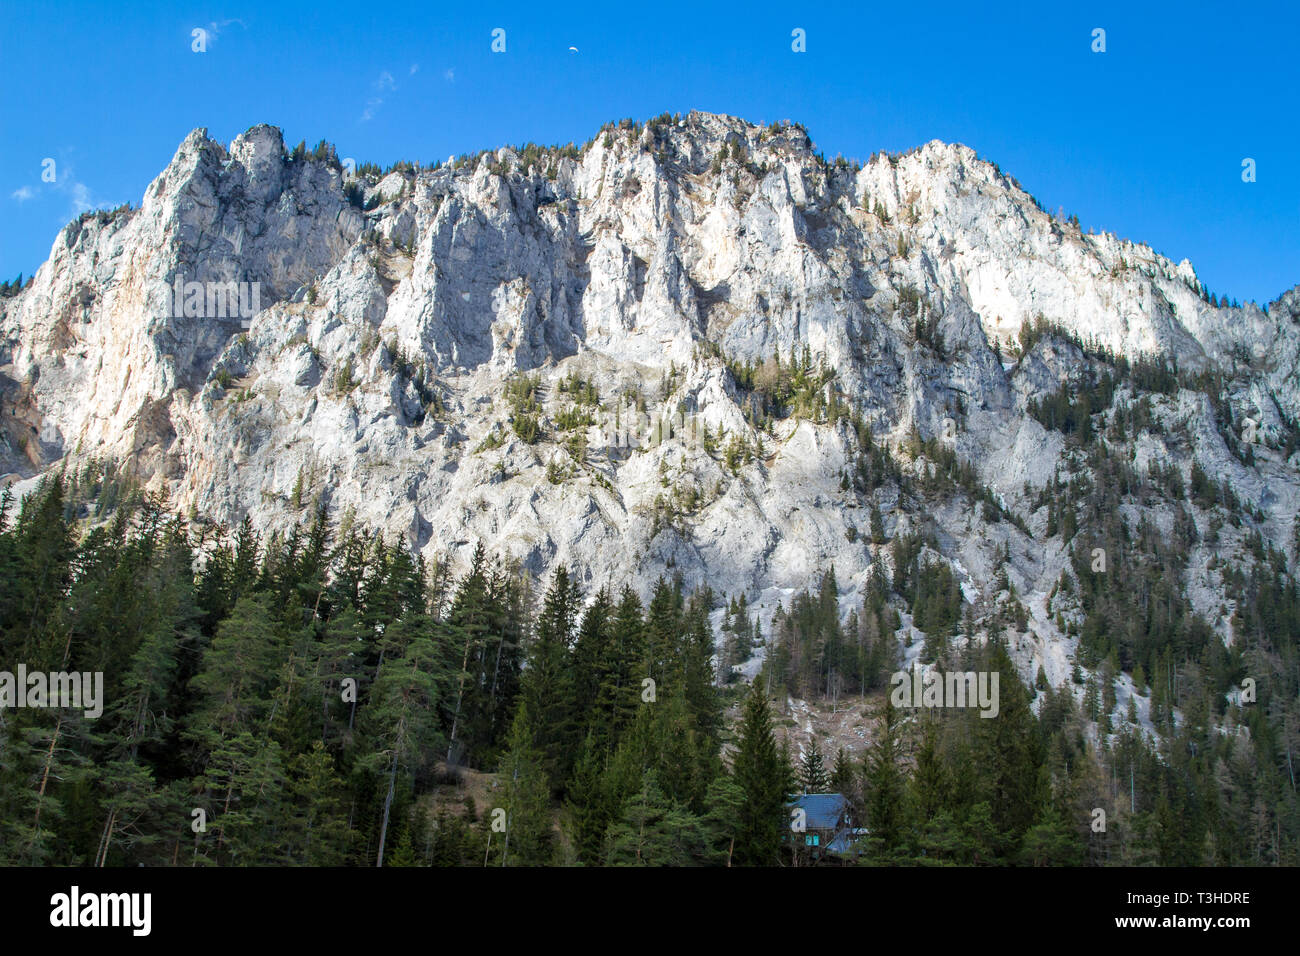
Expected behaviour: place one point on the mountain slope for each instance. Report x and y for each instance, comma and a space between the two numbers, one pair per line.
722, 326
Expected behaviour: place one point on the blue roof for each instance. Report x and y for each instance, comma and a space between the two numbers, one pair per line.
843, 842
822, 810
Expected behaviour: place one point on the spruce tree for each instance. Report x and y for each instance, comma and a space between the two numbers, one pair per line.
1010, 752
813, 772
547, 688
524, 801
763, 780
885, 795
843, 776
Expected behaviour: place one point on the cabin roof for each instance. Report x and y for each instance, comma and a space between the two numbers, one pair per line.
822, 810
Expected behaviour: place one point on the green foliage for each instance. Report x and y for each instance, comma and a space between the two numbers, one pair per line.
13, 287
310, 689
773, 390
817, 655
491, 440
574, 418
812, 774
523, 395
527, 426
344, 381
764, 779
582, 391
1071, 409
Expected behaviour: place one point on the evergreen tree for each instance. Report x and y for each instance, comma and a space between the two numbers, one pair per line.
547, 689
528, 838
885, 793
764, 782
843, 776
813, 772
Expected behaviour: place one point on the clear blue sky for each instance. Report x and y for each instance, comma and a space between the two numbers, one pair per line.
1145, 140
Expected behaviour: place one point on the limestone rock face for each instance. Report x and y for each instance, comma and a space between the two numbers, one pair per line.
391, 314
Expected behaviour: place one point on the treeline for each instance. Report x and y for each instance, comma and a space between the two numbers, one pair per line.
815, 654
308, 698
1070, 410
944, 787
1034, 786
281, 705
298, 698
1186, 742
13, 287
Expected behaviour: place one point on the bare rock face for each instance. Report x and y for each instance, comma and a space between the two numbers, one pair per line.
387, 317
102, 338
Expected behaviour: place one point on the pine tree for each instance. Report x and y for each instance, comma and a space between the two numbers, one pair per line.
662, 627
813, 772
1010, 751
237, 674
593, 653
877, 525
764, 781
843, 776
547, 689
883, 774
619, 694
467, 630
929, 788
589, 807
402, 712
524, 806
654, 831
317, 831
698, 676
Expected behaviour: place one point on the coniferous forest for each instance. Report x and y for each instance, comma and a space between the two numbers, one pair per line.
303, 693
311, 698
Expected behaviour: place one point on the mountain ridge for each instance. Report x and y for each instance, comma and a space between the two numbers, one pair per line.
658, 269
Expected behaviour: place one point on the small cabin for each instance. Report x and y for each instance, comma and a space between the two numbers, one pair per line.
820, 825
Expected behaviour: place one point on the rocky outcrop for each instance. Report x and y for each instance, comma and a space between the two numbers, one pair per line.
392, 314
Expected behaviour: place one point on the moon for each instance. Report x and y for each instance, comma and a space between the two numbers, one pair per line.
574, 49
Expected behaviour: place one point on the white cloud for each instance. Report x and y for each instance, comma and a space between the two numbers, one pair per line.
216, 29
23, 194
382, 86
82, 200
449, 76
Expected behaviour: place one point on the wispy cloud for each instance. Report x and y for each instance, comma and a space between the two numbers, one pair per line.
215, 29
449, 75
384, 85
80, 197
415, 68
83, 199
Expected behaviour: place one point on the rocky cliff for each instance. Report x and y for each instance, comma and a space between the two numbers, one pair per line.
568, 355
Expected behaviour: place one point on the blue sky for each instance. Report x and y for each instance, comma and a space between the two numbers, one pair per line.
1145, 140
